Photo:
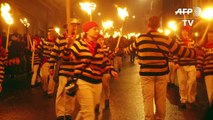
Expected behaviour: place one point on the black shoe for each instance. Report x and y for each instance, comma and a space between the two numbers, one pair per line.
182, 105
68, 117
60, 118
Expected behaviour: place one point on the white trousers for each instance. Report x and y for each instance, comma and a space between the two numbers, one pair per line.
187, 83
47, 84
105, 91
88, 96
64, 104
154, 89
209, 88
35, 73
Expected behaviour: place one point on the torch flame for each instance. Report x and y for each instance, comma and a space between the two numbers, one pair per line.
5, 8
25, 22
122, 12
107, 24
57, 30
88, 7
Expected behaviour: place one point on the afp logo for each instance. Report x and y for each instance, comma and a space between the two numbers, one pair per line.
196, 11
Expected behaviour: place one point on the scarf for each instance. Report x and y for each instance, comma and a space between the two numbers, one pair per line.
91, 45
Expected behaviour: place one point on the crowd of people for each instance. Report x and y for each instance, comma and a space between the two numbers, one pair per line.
90, 60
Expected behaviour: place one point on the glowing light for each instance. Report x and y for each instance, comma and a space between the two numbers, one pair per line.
196, 34
160, 30
122, 13
172, 25
57, 30
5, 8
116, 33
207, 13
25, 22
107, 24
133, 17
88, 7
167, 32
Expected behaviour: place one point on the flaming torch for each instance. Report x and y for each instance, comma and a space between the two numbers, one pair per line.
208, 15
25, 22
122, 14
5, 8
88, 7
107, 25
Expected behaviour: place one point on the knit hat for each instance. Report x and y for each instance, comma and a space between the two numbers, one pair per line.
88, 25
186, 28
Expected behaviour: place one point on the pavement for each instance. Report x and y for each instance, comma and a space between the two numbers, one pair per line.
20, 102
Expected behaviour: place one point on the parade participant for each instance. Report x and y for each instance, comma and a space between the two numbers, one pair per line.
89, 69
104, 102
204, 67
64, 104
153, 48
45, 48
186, 72
36, 63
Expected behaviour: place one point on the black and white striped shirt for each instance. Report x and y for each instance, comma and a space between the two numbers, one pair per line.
154, 61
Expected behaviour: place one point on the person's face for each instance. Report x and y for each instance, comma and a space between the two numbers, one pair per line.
93, 32
184, 33
51, 35
73, 28
101, 42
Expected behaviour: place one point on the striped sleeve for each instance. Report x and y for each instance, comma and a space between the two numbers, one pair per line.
2, 70
200, 61
54, 53
181, 51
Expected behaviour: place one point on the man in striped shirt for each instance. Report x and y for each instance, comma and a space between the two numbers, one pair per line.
90, 66
186, 72
205, 67
45, 48
153, 48
64, 103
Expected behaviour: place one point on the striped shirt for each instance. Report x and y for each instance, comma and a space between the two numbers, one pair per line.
44, 48
205, 61
66, 68
88, 67
2, 70
183, 61
154, 62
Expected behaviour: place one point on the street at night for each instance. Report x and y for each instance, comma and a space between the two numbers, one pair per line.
106, 60
21, 102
